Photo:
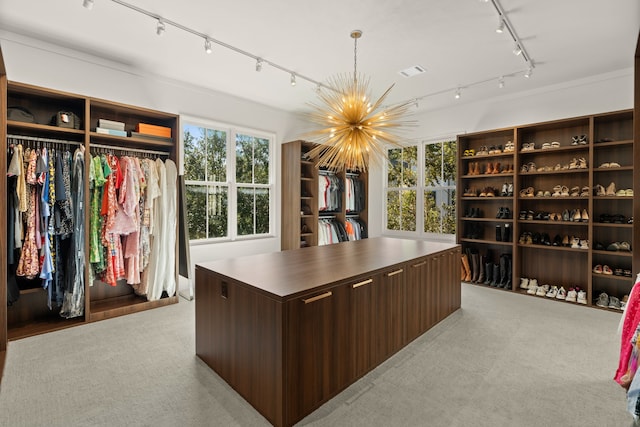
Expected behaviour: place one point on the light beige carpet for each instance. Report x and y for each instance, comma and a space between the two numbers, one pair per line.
502, 360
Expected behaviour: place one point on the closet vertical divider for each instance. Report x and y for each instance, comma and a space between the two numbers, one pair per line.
3, 217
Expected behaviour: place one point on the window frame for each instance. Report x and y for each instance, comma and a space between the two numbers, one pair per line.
231, 184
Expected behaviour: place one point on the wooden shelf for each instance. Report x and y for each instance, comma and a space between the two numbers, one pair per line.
13, 126
557, 264
613, 277
42, 326
127, 304
489, 175
488, 219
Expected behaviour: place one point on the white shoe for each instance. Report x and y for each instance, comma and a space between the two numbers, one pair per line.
533, 286
552, 292
524, 283
582, 297
542, 290
572, 295
562, 293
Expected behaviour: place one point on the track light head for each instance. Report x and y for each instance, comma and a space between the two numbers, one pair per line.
457, 95
207, 46
160, 27
527, 73
88, 4
293, 79
501, 82
500, 27
258, 65
318, 88
517, 50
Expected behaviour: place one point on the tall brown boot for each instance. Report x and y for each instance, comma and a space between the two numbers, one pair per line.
471, 169
467, 269
463, 272
496, 168
489, 168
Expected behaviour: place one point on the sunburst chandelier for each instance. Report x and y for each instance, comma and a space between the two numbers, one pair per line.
353, 129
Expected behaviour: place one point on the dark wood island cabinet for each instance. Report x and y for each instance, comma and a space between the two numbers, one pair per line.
290, 330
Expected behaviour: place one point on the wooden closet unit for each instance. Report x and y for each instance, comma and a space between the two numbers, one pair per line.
300, 203
578, 153
30, 314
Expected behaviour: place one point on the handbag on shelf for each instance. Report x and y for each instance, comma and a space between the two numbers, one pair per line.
66, 119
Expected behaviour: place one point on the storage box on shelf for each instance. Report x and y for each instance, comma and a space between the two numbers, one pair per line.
573, 187
485, 206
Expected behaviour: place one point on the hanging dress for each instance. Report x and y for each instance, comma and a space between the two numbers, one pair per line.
73, 305
29, 263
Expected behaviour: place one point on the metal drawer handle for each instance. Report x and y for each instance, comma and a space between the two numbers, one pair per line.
419, 264
393, 273
364, 282
317, 297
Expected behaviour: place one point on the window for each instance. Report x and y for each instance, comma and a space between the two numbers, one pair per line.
229, 184
402, 181
440, 187
421, 189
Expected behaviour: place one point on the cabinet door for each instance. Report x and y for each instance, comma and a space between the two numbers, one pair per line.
417, 287
391, 313
377, 319
316, 340
364, 325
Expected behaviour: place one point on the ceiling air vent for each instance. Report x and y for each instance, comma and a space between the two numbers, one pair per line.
412, 71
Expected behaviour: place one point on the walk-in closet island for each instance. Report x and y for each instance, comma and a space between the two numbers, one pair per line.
289, 330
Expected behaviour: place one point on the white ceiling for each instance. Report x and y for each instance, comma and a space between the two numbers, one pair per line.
455, 40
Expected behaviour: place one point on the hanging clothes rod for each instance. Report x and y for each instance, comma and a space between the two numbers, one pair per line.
135, 150
38, 139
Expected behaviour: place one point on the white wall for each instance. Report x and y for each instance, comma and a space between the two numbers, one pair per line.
38, 63
600, 94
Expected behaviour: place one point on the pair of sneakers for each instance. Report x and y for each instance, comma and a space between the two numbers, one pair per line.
607, 301
576, 295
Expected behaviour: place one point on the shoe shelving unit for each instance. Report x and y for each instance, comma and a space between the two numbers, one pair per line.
300, 207
563, 180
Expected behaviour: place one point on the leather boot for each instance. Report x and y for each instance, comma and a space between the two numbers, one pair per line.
507, 285
506, 233
471, 169
488, 268
496, 275
474, 267
463, 271
489, 168
498, 233
503, 271
496, 168
480, 269
467, 270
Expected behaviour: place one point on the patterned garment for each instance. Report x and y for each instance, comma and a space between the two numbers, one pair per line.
62, 207
29, 263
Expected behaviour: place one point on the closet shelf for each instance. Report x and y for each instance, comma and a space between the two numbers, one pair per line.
553, 198
487, 198
127, 304
492, 242
510, 220
615, 253
560, 223
556, 172
598, 145
488, 156
489, 175
53, 130
123, 141
614, 277
42, 325
621, 168
612, 225
552, 248
579, 148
